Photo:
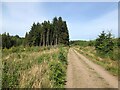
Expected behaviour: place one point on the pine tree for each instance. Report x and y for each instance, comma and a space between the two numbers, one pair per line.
47, 33
104, 43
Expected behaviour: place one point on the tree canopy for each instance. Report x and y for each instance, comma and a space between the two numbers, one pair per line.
9, 41
48, 33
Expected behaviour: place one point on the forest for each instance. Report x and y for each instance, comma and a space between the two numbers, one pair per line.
40, 59
41, 34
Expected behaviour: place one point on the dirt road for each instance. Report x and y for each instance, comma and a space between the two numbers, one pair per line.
83, 73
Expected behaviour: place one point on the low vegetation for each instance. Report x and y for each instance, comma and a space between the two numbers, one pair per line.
0, 68
34, 67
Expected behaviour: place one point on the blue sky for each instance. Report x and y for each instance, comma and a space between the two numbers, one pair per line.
85, 20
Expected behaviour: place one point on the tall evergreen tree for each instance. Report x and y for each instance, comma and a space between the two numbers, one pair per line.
104, 43
47, 33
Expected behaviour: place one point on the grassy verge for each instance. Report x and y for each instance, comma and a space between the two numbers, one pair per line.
34, 67
0, 68
106, 62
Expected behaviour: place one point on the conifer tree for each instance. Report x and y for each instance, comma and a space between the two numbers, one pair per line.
47, 33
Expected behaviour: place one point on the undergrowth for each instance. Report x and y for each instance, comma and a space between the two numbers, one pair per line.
34, 67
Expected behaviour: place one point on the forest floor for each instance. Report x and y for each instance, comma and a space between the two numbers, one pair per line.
83, 73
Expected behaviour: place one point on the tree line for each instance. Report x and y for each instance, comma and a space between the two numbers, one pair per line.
8, 41
41, 34
48, 33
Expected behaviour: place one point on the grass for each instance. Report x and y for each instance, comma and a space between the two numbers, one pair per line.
109, 64
0, 68
34, 67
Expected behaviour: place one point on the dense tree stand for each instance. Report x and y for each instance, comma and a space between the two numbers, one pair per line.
46, 33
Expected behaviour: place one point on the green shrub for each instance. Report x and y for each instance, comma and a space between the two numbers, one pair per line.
57, 74
62, 56
40, 59
10, 75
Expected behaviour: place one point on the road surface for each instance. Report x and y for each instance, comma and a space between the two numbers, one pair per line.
83, 73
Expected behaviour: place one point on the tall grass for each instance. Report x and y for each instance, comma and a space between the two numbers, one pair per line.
0, 67
34, 67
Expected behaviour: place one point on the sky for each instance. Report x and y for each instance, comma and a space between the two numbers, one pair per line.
85, 20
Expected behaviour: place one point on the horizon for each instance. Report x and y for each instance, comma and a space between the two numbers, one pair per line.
85, 20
